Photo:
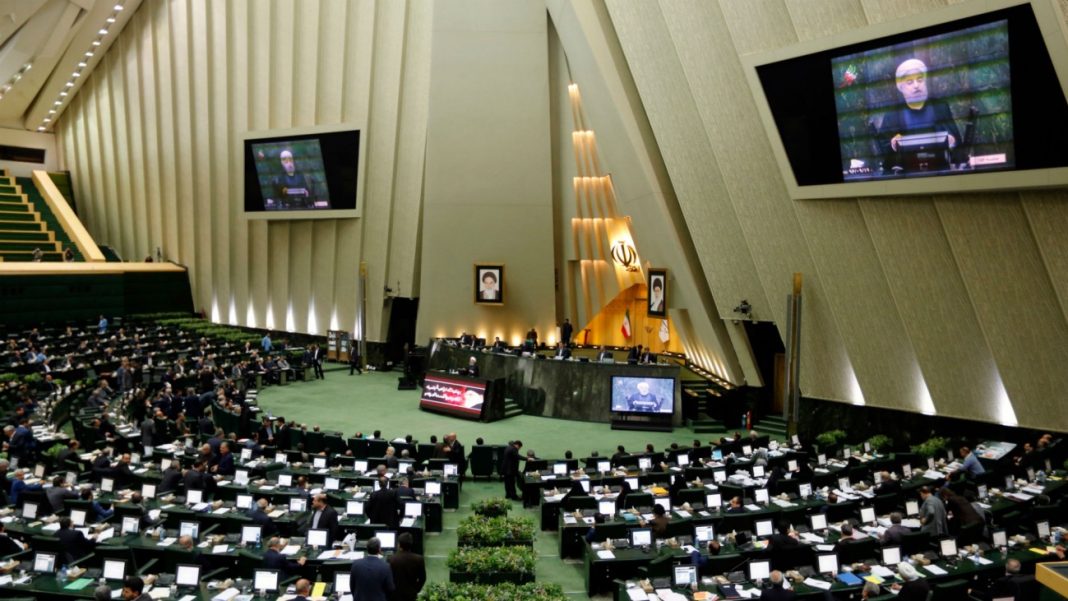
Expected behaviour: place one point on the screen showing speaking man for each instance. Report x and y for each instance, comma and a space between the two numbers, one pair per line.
936, 105
291, 175
643, 395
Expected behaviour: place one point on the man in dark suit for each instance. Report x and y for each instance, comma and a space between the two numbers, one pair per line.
371, 578
194, 479
273, 559
58, 494
409, 570
455, 453
887, 485
302, 588
634, 354
510, 469
566, 330
383, 505
317, 361
171, 480
776, 592
226, 461
896, 532
258, 515
74, 543
8, 545
562, 352
1013, 584
324, 517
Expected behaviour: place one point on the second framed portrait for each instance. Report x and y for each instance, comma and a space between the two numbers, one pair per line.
489, 284
657, 284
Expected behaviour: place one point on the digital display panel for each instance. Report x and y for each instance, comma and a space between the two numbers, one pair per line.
300, 175
453, 395
643, 395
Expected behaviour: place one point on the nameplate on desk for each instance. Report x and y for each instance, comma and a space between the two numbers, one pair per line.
935, 570
605, 554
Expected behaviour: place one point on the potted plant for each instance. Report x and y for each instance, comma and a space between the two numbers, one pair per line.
492, 507
492, 565
880, 443
534, 591
931, 447
479, 531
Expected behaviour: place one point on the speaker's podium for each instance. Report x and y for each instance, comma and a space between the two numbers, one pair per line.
924, 152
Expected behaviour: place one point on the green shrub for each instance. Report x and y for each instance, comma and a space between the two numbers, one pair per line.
479, 531
54, 450
489, 560
8, 378
492, 507
830, 437
534, 591
32, 378
880, 443
931, 446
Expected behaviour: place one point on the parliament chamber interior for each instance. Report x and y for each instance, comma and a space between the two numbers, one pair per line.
541, 299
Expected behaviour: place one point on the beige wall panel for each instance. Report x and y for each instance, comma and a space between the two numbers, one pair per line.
489, 120
382, 131
1014, 300
411, 153
824, 18
259, 95
181, 121
120, 184
753, 189
201, 177
149, 160
689, 156
879, 11
220, 227
134, 144
932, 299
238, 88
165, 134
757, 26
1047, 214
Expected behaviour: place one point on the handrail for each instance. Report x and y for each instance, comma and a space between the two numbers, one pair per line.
68, 220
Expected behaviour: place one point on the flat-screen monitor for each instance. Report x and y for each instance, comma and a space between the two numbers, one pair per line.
107, 484
432, 488
77, 517
947, 547
413, 509
250, 535
604, 466
341, 583
29, 510
298, 504
912, 508
761, 496
703, 534
827, 563
791, 465
906, 471
114, 569
645, 463
713, 500
285, 479
560, 469
759, 569
192, 497
763, 527
867, 515
821, 459
664, 502
187, 576
606, 508
804, 490
353, 507
682, 459
952, 97
717, 455
847, 453
281, 458
388, 539
265, 580
130, 524
719, 476
843, 484
44, 562
818, 521
39, 470
641, 537
148, 491
191, 529
891, 556
359, 465
319, 463
982, 491
241, 476
451, 469
317, 537
747, 450
301, 175
643, 395
632, 483
332, 484
758, 471
243, 502
246, 454
684, 575
457, 396
164, 464
1000, 538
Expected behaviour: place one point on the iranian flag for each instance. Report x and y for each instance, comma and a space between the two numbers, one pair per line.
625, 328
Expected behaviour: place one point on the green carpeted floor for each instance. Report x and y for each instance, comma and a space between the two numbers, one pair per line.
372, 402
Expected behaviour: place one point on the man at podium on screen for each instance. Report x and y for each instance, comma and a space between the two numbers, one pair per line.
644, 401
918, 114
292, 190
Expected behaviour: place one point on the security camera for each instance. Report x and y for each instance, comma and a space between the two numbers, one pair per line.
744, 308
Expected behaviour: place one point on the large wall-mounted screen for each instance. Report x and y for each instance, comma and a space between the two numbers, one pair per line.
643, 395
302, 175
960, 98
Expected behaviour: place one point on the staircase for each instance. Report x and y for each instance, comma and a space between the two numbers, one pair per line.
772, 425
27, 224
511, 408
698, 395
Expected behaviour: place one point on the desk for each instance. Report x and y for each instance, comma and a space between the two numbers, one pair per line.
568, 389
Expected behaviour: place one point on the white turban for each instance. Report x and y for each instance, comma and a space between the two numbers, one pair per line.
913, 65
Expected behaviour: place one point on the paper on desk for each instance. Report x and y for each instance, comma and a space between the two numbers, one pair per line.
820, 584
933, 475
407, 522
51, 527
683, 514
825, 548
353, 555
752, 507
220, 548
667, 594
554, 498
291, 550
267, 487
637, 594
170, 540
159, 593
604, 554
911, 522
935, 570
782, 503
103, 536
185, 598
224, 483
221, 510
226, 595
330, 554
882, 571
981, 561
570, 519
277, 513
808, 537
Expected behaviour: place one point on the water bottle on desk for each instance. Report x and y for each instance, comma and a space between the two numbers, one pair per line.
63, 573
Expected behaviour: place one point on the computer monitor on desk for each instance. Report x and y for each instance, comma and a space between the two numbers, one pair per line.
114, 569
388, 538
432, 488
187, 576
265, 581
317, 537
684, 575
641, 537
44, 563
759, 569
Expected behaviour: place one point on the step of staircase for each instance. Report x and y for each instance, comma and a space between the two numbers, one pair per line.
772, 425
512, 409
708, 426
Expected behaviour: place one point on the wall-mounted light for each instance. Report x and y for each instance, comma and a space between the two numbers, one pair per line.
625, 256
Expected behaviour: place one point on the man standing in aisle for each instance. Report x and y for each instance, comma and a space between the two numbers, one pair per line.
317, 361
371, 578
510, 469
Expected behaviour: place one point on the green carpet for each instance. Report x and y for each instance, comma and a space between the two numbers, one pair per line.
372, 402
